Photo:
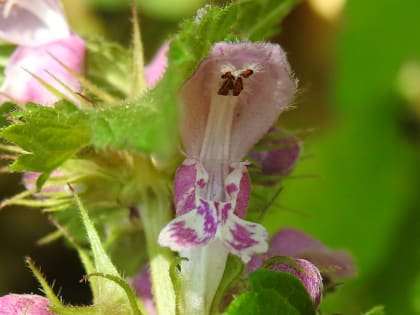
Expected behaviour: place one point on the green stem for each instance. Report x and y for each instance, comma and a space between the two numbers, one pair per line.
155, 214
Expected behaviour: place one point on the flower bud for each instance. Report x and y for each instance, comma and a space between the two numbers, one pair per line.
307, 273
143, 287
278, 156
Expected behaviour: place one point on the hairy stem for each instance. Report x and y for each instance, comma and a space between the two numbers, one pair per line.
155, 214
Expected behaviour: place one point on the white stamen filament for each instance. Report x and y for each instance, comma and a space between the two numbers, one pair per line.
216, 143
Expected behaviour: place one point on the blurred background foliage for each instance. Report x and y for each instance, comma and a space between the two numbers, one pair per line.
358, 111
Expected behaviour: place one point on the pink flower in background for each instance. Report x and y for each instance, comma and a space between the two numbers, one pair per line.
275, 156
143, 287
56, 183
307, 273
32, 22
28, 304
40, 29
155, 69
20, 85
334, 264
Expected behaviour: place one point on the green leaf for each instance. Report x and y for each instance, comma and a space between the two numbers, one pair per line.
233, 270
266, 301
138, 80
101, 260
288, 286
134, 302
110, 288
6, 50
75, 310
48, 290
273, 293
130, 126
5, 109
245, 304
49, 135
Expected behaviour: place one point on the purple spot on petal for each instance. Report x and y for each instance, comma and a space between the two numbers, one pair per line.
242, 238
184, 188
231, 188
243, 195
192, 229
188, 205
225, 211
210, 224
183, 235
201, 183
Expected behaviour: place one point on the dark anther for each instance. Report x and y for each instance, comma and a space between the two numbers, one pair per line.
228, 75
239, 86
247, 73
232, 83
226, 86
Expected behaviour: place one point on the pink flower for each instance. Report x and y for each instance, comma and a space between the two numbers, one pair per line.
21, 85
41, 30
28, 304
334, 264
230, 102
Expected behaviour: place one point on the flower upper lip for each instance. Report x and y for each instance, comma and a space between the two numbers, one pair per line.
266, 93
